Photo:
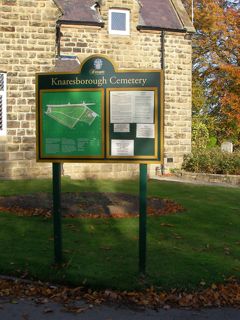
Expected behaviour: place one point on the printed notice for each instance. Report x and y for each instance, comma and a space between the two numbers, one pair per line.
53, 145
122, 147
121, 107
121, 127
145, 131
132, 106
144, 107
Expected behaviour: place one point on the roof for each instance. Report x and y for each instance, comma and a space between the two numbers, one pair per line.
154, 14
79, 11
159, 13
66, 64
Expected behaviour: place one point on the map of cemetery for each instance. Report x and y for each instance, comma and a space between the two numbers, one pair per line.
69, 114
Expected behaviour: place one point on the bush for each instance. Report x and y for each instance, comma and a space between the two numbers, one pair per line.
200, 135
212, 161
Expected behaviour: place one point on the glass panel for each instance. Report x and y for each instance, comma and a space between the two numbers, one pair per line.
118, 21
1, 82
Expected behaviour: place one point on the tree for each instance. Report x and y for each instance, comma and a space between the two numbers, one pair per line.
216, 64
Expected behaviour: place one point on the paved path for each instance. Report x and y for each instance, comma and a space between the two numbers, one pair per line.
27, 309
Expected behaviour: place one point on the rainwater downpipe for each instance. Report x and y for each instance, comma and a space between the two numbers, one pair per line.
58, 39
161, 168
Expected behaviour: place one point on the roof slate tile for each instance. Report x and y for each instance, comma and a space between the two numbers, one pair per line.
163, 14
159, 14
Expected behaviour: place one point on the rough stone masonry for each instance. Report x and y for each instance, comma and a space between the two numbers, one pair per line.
28, 44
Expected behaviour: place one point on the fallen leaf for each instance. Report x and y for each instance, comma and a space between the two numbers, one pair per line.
216, 295
213, 286
47, 310
166, 225
106, 248
14, 302
74, 309
166, 307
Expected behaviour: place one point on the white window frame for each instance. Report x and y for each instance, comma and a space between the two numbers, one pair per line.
127, 20
3, 94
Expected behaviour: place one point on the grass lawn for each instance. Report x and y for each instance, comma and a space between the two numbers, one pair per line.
186, 250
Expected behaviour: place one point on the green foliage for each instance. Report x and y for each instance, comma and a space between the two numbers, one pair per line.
212, 160
198, 98
212, 142
200, 135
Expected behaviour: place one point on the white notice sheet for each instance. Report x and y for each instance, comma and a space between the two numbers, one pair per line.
121, 127
144, 107
145, 131
122, 147
132, 106
121, 107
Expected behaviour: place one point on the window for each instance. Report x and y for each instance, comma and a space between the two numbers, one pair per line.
119, 21
3, 108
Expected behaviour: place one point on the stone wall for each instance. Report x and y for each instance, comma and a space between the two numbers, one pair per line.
178, 99
207, 178
142, 50
27, 46
27, 43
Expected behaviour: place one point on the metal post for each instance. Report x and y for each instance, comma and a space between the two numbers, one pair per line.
142, 217
57, 219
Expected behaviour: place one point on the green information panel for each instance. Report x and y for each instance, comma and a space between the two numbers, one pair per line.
99, 114
72, 123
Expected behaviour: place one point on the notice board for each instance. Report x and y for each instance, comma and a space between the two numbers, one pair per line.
100, 114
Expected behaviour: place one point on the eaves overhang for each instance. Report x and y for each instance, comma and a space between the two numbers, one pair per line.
83, 23
156, 28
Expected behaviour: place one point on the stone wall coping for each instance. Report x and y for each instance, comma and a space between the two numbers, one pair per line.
211, 178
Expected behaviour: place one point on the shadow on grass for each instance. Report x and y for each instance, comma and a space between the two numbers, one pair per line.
199, 245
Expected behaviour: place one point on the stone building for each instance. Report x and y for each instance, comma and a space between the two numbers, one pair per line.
40, 35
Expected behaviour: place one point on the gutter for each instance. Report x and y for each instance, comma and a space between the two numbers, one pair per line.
83, 23
152, 28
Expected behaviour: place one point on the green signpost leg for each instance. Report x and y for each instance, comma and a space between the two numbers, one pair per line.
57, 219
142, 217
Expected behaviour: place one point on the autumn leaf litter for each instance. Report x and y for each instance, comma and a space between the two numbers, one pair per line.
79, 299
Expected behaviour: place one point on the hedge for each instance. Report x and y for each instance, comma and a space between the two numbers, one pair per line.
212, 160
